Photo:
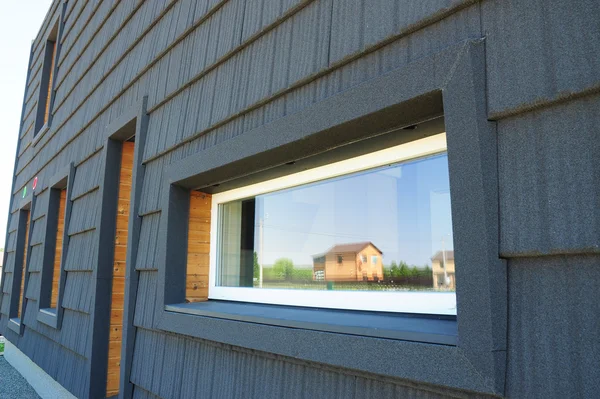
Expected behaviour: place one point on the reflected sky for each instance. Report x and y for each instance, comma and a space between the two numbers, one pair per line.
403, 209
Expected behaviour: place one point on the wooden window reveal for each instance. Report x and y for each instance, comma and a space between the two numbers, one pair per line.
24, 265
50, 78
60, 228
196, 283
118, 282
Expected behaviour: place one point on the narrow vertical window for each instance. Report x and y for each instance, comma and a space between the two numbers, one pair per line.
196, 287
60, 228
50, 80
23, 265
43, 115
119, 263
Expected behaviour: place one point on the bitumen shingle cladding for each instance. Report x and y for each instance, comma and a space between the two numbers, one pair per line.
12, 384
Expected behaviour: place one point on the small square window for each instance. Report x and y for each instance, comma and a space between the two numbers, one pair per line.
374, 260
340, 259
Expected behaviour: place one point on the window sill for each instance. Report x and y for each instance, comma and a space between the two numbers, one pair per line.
440, 330
38, 136
15, 325
48, 316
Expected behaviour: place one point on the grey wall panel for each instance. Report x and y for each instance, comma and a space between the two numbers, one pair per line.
87, 175
72, 336
178, 367
33, 285
31, 311
549, 173
8, 283
36, 253
539, 51
139, 393
82, 248
358, 24
152, 186
261, 13
145, 309
434, 38
12, 238
5, 302
77, 36
553, 327
41, 204
63, 365
148, 242
78, 287
38, 231
85, 213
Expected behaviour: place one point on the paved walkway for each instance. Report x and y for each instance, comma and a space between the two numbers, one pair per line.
12, 384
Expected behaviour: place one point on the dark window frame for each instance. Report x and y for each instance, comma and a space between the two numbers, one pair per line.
49, 68
451, 84
15, 323
62, 180
132, 122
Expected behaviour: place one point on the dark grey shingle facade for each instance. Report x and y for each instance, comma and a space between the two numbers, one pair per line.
213, 71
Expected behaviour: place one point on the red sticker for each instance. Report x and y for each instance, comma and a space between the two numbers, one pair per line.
34, 182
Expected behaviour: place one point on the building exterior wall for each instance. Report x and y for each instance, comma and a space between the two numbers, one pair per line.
438, 273
215, 70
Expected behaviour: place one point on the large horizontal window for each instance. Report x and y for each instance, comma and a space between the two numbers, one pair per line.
368, 233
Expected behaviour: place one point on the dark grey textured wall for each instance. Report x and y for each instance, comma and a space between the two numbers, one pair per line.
216, 69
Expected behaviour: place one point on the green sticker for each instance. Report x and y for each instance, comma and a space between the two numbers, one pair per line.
24, 191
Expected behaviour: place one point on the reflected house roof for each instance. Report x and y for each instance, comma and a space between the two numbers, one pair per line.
438, 256
350, 247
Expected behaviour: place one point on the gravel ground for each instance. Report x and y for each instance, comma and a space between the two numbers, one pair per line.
12, 384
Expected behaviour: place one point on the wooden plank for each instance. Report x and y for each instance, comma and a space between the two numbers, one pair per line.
60, 228
49, 88
196, 284
119, 269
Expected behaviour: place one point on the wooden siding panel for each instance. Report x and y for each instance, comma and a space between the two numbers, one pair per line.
58, 248
196, 286
118, 279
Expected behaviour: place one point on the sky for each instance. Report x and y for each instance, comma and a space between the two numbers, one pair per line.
404, 210
20, 21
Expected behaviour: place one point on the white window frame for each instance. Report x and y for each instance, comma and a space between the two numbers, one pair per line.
443, 303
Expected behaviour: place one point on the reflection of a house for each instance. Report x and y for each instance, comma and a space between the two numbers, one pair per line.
359, 261
437, 269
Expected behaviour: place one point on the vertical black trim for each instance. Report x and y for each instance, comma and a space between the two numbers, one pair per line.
21, 265
62, 180
131, 276
133, 122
